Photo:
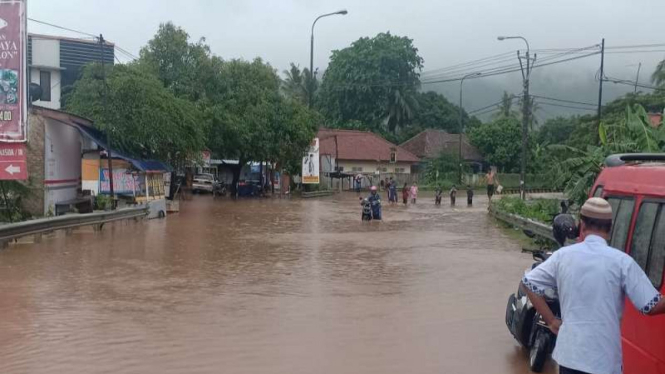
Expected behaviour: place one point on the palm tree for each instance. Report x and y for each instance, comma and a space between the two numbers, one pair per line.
401, 108
294, 84
658, 76
506, 106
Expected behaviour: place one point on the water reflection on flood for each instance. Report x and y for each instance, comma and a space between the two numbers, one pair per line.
266, 286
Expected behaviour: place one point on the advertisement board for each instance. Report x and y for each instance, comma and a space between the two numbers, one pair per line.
124, 183
13, 71
310, 164
13, 161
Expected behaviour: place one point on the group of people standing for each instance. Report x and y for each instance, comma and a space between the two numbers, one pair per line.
390, 185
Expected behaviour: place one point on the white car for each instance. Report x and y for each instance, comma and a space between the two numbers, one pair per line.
204, 183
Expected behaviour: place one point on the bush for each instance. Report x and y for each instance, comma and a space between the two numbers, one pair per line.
543, 210
102, 202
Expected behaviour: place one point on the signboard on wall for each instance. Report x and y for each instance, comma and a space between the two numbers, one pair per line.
13, 71
123, 182
13, 164
310, 164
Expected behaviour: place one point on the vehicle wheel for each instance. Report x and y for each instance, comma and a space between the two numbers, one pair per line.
510, 312
538, 352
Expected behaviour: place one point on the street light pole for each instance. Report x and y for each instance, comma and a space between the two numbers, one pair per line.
461, 125
311, 53
526, 102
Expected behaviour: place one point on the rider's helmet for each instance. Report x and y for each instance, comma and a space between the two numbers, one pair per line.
563, 228
373, 188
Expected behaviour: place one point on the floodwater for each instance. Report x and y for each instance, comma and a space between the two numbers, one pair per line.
267, 286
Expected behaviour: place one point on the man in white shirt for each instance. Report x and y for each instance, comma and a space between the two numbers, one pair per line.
592, 280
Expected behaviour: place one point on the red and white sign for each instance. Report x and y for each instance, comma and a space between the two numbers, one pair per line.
13, 71
13, 163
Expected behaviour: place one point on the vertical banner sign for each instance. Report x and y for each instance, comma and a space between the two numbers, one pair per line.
13, 71
310, 164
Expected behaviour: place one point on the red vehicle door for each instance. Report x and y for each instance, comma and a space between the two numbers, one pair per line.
643, 336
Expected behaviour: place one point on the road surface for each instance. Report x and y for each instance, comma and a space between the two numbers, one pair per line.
267, 286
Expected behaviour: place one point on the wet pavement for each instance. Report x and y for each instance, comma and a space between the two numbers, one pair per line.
267, 286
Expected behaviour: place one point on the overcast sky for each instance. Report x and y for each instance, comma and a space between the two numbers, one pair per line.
445, 32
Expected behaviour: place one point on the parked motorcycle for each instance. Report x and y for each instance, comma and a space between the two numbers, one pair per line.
523, 321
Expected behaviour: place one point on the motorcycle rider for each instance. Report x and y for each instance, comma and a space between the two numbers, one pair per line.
375, 202
592, 280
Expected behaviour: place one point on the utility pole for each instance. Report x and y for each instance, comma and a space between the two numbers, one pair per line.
600, 88
637, 79
461, 125
526, 108
109, 125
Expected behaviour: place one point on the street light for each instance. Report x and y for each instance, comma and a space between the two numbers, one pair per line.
311, 52
461, 126
525, 110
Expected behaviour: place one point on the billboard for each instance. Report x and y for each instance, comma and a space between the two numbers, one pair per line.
310, 164
124, 183
13, 71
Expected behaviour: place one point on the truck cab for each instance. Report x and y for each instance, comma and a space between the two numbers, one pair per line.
634, 184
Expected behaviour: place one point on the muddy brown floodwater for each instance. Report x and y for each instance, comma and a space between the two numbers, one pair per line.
267, 286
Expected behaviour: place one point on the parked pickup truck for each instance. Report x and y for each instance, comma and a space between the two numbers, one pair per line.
204, 183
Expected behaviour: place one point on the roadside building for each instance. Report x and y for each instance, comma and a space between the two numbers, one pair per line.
67, 167
55, 63
345, 153
431, 143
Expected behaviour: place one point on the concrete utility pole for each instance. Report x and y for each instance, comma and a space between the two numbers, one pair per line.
461, 123
109, 129
637, 79
311, 54
600, 88
526, 109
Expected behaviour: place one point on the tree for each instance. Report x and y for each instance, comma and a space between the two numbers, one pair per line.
251, 121
578, 168
145, 119
183, 67
556, 130
372, 81
506, 106
658, 76
500, 142
299, 83
436, 112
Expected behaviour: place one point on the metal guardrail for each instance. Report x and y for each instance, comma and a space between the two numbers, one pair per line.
317, 193
538, 228
45, 225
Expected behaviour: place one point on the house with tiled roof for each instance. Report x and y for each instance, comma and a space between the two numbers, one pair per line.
364, 152
430, 143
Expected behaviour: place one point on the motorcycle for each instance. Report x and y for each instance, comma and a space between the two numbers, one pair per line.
367, 209
523, 321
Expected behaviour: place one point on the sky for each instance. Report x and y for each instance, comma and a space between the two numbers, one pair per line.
445, 32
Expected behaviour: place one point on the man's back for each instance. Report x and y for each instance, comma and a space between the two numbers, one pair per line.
592, 279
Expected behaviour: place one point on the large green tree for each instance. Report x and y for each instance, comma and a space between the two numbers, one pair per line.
436, 112
298, 84
500, 142
183, 66
144, 117
373, 81
251, 121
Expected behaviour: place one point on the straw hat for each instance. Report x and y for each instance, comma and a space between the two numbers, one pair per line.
597, 208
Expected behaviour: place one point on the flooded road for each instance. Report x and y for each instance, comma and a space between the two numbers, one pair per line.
267, 286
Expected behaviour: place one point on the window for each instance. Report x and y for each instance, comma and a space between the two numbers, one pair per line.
393, 157
399, 170
383, 170
598, 192
656, 264
340, 168
641, 242
623, 212
45, 83
356, 168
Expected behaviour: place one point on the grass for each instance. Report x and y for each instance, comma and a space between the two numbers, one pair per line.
542, 210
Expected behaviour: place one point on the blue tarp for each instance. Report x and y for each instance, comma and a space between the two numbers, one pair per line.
141, 165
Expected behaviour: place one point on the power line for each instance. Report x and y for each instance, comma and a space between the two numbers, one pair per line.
512, 97
564, 106
563, 101
63, 28
632, 83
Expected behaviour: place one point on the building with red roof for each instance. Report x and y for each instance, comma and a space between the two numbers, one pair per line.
362, 152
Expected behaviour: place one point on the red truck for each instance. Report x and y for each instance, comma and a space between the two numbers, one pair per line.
634, 184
